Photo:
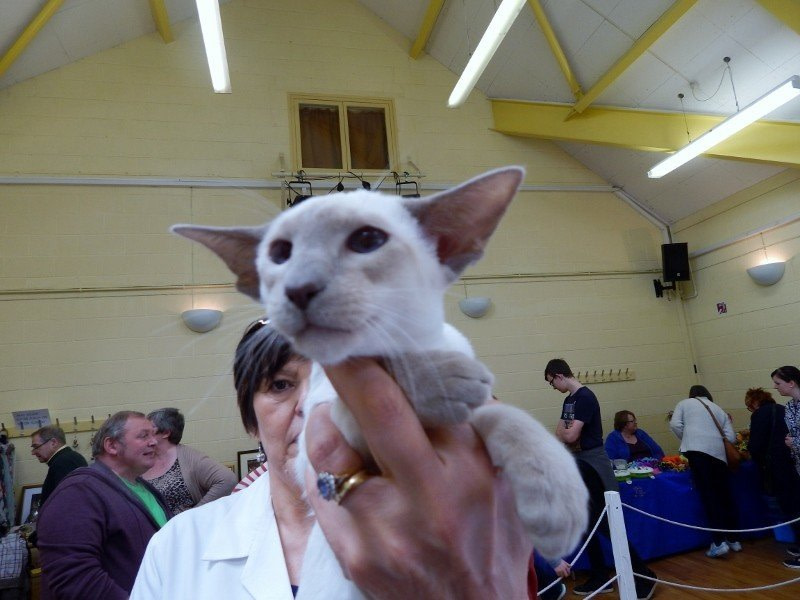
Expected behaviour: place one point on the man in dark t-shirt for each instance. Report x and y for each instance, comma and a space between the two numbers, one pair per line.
581, 429
581, 411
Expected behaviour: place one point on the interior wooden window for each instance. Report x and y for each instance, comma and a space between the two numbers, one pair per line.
339, 134
320, 142
366, 128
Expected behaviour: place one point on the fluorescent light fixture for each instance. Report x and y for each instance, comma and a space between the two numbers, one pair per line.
211, 26
786, 91
495, 32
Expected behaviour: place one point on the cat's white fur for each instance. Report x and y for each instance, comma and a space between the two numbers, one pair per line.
333, 303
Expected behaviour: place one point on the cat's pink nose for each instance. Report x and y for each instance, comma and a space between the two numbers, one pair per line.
302, 295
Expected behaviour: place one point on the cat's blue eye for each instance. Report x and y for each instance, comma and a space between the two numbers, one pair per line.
367, 239
280, 251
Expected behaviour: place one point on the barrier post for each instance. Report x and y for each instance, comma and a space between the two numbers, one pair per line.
619, 546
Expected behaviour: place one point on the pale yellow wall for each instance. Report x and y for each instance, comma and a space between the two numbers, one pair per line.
761, 330
146, 109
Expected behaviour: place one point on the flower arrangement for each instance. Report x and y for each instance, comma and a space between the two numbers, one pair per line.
674, 462
742, 439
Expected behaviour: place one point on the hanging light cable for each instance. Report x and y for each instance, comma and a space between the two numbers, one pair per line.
498, 28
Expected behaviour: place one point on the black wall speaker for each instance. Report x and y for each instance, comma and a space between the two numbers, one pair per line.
675, 262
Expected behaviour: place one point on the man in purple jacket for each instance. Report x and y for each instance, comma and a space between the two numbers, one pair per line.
94, 528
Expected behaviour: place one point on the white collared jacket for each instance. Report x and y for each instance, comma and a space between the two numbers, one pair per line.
229, 549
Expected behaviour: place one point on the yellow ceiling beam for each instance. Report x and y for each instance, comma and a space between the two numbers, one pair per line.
161, 18
763, 141
28, 34
425, 30
555, 48
787, 11
640, 46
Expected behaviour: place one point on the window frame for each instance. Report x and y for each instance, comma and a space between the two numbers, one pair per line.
342, 102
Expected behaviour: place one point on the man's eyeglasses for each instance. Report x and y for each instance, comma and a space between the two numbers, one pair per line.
37, 446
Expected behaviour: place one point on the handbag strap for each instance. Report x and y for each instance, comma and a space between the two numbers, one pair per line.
713, 418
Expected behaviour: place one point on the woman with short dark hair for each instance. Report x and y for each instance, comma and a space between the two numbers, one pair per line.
184, 476
252, 543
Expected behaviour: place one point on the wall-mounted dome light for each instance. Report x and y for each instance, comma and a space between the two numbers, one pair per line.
475, 307
201, 320
767, 274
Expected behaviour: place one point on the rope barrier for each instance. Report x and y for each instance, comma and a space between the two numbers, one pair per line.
578, 555
675, 584
753, 530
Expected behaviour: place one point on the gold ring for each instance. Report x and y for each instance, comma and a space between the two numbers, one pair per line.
352, 482
336, 487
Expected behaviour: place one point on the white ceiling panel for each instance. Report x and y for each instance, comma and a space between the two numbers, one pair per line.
593, 33
682, 192
646, 75
403, 16
101, 18
598, 54
725, 13
634, 16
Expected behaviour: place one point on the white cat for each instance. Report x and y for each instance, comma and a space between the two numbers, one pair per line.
364, 274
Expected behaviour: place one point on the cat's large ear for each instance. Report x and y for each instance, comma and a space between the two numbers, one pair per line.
462, 219
235, 245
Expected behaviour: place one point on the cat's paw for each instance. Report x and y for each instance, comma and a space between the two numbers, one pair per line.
550, 495
443, 386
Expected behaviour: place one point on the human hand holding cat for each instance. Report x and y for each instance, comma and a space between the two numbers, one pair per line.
437, 523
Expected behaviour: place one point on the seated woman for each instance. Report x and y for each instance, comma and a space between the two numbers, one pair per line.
184, 476
629, 442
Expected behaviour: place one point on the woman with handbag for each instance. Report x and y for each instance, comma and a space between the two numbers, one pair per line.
703, 427
767, 447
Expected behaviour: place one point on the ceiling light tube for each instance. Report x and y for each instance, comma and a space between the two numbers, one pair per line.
498, 28
211, 26
786, 91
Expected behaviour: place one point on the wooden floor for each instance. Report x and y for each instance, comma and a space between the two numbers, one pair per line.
759, 563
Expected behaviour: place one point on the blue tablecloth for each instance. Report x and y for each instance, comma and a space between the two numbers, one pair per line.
671, 495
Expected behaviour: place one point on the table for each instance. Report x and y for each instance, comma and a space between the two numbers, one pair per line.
671, 495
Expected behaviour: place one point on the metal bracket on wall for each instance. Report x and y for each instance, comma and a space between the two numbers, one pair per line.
605, 375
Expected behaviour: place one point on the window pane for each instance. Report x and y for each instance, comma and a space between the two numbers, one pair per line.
320, 142
369, 147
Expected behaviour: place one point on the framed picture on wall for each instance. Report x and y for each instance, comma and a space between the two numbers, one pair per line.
247, 461
28, 508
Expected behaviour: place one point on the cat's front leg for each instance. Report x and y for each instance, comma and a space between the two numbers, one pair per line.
443, 386
549, 492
